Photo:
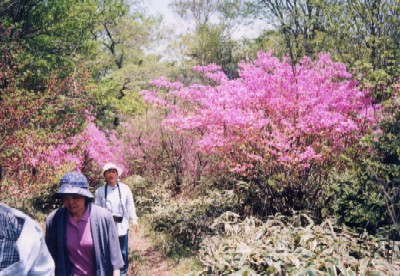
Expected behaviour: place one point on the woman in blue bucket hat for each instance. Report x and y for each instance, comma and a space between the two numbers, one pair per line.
82, 237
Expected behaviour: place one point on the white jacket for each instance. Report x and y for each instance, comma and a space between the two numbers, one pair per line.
34, 257
124, 206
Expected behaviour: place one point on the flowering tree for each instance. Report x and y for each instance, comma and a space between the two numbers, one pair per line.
42, 126
274, 120
87, 151
160, 153
32, 119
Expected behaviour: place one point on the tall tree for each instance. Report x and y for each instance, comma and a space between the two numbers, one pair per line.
51, 32
43, 88
300, 23
32, 121
121, 68
104, 37
213, 25
363, 34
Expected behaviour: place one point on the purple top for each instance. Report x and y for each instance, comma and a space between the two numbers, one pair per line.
80, 245
104, 235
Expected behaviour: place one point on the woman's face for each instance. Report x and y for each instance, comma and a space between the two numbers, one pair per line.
75, 204
111, 177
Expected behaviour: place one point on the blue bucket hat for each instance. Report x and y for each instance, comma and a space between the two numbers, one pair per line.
73, 183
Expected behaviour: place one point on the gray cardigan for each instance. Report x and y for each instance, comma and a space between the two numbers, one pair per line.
105, 240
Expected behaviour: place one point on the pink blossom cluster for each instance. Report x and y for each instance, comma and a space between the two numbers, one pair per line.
155, 151
275, 113
90, 145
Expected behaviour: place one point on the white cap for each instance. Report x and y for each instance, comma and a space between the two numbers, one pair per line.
110, 166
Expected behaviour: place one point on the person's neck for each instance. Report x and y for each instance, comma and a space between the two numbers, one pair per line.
112, 184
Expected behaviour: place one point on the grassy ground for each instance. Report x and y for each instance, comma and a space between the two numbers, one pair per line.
148, 255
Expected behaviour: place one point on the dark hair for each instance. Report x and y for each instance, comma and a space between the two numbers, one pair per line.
88, 200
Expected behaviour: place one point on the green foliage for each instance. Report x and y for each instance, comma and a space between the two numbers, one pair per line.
292, 245
300, 23
384, 168
362, 34
35, 116
102, 37
116, 94
204, 11
187, 222
367, 194
38, 204
211, 40
211, 44
357, 201
52, 32
268, 40
121, 68
146, 194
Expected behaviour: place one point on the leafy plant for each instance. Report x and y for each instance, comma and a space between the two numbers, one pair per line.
293, 245
188, 222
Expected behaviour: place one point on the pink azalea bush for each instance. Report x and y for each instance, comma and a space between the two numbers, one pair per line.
32, 123
160, 154
87, 151
41, 121
275, 118
275, 113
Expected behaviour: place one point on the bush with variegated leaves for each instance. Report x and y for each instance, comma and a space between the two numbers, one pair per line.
294, 245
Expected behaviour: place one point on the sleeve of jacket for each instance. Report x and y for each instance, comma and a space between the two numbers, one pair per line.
55, 240
50, 235
34, 257
130, 205
44, 263
98, 196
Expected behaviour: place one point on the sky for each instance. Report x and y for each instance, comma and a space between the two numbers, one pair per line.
156, 7
177, 26
171, 19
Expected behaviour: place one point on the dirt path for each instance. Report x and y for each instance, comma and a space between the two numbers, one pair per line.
145, 259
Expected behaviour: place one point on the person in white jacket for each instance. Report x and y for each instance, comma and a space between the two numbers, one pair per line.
23, 250
118, 199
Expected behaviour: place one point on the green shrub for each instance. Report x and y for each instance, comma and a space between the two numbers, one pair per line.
358, 202
293, 245
189, 221
147, 194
